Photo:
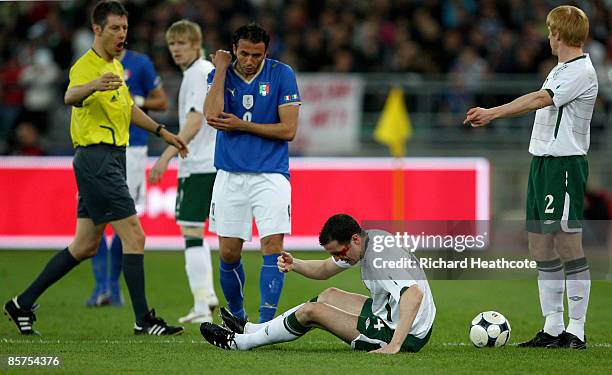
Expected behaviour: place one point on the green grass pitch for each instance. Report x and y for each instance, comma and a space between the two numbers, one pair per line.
100, 341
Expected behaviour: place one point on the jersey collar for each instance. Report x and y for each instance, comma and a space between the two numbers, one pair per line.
576, 58
191, 64
254, 76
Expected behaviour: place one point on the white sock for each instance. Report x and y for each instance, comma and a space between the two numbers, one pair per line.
273, 332
553, 325
195, 265
551, 285
578, 291
210, 286
254, 327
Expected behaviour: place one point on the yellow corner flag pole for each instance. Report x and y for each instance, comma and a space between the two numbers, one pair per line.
393, 130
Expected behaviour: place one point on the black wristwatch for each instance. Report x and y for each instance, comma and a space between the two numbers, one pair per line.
159, 129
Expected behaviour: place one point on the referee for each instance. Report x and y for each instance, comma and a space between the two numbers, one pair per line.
101, 113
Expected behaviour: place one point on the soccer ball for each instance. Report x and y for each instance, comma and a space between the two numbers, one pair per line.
489, 328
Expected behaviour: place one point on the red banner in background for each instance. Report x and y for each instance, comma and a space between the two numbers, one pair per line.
38, 197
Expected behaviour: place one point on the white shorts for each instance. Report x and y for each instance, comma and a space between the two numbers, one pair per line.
237, 198
136, 164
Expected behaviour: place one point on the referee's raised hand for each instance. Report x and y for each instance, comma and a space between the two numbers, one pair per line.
108, 81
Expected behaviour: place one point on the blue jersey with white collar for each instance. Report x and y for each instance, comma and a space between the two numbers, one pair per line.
140, 78
256, 101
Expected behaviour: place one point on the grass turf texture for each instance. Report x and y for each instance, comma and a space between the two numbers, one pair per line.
101, 341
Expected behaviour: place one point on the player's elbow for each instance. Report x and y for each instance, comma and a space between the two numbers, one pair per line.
415, 295
289, 134
68, 100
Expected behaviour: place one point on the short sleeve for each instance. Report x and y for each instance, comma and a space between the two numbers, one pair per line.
341, 263
76, 76
195, 93
395, 287
568, 87
289, 93
151, 79
209, 80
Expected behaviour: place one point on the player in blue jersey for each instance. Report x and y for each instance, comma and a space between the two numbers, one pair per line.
253, 102
146, 89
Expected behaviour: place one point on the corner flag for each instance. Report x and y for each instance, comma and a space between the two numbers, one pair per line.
394, 128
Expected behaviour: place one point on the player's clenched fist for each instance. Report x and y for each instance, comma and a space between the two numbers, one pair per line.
221, 59
285, 262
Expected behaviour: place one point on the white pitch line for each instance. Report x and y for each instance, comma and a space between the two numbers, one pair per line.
593, 345
200, 342
41, 341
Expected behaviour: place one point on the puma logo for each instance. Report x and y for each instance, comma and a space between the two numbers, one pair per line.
231, 91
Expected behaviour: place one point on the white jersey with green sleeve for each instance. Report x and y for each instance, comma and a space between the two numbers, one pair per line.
386, 288
191, 99
563, 128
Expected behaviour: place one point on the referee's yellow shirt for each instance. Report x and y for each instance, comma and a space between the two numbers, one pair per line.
104, 116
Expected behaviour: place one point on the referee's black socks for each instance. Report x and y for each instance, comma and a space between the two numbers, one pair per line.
58, 266
133, 271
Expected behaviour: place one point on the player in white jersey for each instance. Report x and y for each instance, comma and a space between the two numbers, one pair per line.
196, 174
398, 316
557, 179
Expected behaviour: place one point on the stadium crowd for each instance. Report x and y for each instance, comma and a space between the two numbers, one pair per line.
467, 38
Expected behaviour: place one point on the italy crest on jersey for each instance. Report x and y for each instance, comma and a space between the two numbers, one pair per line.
264, 88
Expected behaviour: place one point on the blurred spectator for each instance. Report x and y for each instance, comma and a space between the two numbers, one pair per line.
376, 33
467, 72
39, 80
11, 98
465, 40
27, 140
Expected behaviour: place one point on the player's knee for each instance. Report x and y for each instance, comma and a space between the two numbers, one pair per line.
135, 242
229, 256
84, 249
309, 312
272, 244
328, 295
139, 239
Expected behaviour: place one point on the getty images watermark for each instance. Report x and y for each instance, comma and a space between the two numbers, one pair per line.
462, 249
398, 243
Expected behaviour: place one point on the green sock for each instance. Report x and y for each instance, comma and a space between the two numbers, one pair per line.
294, 327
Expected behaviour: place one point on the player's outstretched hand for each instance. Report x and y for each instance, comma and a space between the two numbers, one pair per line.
386, 350
477, 117
158, 170
176, 141
108, 81
221, 59
285, 262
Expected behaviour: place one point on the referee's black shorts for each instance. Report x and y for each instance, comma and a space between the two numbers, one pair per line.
101, 179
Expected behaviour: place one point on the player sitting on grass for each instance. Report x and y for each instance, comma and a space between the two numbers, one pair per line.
397, 317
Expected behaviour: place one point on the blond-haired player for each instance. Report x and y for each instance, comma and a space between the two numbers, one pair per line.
196, 174
557, 179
